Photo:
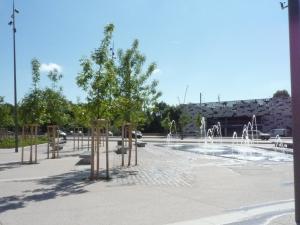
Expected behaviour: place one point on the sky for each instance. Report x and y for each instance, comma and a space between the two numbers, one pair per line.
233, 49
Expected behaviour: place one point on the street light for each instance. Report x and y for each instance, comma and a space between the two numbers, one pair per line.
13, 23
294, 28
283, 5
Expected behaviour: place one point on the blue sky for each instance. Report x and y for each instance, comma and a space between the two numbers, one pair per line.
235, 49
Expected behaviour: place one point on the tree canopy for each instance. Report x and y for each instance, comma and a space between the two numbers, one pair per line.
136, 93
281, 94
98, 78
44, 106
6, 111
118, 90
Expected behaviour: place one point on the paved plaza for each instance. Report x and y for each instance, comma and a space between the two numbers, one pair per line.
166, 187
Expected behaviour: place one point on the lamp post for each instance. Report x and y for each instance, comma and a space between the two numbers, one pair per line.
13, 23
294, 30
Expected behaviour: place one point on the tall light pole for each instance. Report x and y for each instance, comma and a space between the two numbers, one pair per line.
13, 24
294, 29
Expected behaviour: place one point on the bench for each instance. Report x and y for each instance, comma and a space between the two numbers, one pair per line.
141, 144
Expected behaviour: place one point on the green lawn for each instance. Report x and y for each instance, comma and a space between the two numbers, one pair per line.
10, 142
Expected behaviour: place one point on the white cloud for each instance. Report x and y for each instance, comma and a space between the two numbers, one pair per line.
50, 67
156, 71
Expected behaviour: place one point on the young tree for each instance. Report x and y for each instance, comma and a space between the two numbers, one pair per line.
32, 109
136, 93
36, 75
56, 105
44, 106
98, 78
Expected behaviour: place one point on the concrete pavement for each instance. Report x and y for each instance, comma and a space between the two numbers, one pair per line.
167, 187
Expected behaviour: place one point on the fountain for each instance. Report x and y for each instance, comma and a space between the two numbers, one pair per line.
236, 149
203, 129
234, 138
215, 131
278, 142
245, 133
170, 137
254, 123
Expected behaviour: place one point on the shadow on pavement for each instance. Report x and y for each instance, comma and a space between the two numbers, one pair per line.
61, 185
11, 165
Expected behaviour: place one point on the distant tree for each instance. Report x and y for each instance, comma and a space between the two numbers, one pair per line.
56, 108
56, 104
166, 123
281, 94
32, 108
154, 118
198, 120
44, 106
184, 119
6, 112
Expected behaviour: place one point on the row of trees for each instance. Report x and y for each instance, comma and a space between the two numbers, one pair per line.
118, 89
34, 109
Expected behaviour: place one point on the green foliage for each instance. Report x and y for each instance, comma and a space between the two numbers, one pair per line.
154, 117
136, 93
198, 120
161, 117
54, 77
117, 91
166, 122
98, 78
81, 115
184, 119
6, 114
36, 76
56, 107
44, 106
281, 94
32, 108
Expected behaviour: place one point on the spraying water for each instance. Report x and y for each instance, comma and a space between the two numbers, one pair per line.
245, 134
170, 136
234, 137
215, 131
203, 129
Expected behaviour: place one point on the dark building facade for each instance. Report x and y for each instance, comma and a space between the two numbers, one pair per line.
271, 113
